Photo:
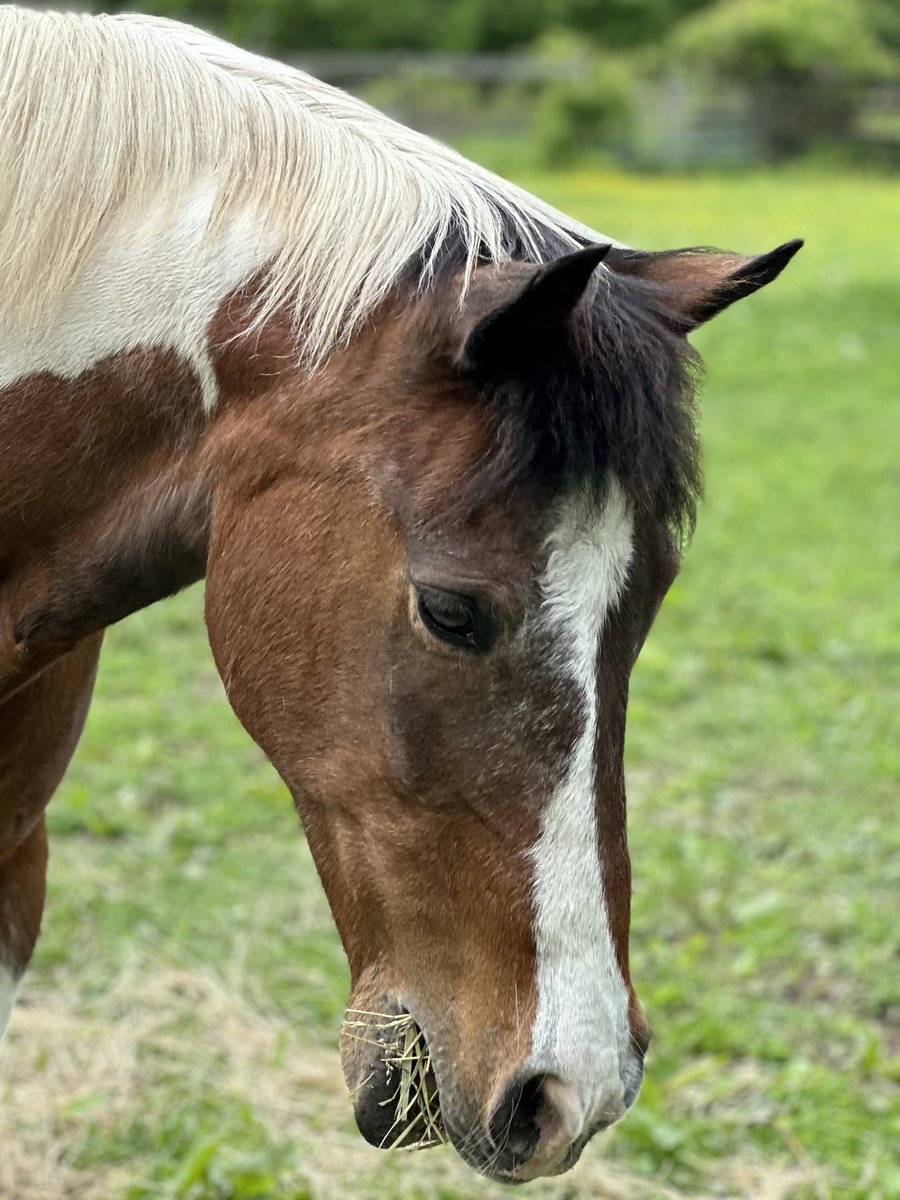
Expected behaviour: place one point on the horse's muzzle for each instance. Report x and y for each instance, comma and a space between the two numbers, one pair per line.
538, 1127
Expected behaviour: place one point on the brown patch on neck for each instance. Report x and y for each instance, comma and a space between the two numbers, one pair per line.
106, 491
67, 446
93, 470
145, 549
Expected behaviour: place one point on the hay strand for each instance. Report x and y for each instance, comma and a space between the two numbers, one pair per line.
407, 1060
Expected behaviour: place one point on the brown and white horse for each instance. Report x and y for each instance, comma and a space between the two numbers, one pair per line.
431, 443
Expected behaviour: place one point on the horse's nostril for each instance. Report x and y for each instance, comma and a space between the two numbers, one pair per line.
514, 1128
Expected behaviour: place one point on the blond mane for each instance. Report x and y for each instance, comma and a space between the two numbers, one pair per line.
102, 117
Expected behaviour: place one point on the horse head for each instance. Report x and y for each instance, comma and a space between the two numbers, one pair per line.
432, 568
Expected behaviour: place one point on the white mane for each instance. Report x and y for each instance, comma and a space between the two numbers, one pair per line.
104, 117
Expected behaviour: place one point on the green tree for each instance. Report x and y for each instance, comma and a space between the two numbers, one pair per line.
800, 39
805, 60
627, 23
465, 26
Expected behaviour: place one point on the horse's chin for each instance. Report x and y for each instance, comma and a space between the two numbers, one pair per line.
392, 1084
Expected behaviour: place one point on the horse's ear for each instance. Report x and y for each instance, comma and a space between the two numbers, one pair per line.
696, 285
527, 325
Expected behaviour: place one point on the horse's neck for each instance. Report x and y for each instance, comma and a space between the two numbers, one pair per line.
102, 414
158, 282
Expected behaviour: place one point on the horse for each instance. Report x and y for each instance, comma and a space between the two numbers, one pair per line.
433, 446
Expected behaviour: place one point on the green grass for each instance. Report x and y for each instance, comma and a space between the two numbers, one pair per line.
763, 757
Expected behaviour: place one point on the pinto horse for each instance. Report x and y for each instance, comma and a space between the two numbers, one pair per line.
432, 445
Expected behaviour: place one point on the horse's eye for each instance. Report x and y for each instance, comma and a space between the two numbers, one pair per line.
453, 618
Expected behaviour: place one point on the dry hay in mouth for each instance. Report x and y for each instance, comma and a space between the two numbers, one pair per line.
407, 1059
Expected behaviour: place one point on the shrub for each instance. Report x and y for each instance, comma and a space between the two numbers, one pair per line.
755, 40
807, 62
586, 114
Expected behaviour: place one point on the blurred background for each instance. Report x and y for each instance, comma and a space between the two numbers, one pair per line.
654, 84
177, 1037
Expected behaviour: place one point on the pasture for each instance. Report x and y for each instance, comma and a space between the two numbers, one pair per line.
177, 1035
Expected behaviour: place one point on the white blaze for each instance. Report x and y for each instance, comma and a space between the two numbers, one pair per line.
581, 1028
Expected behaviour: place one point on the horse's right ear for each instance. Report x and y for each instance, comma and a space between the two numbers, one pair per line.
695, 285
530, 324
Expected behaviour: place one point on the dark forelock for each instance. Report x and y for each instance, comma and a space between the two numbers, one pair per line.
616, 395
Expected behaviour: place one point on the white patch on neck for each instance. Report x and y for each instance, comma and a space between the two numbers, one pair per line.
581, 1029
7, 996
158, 283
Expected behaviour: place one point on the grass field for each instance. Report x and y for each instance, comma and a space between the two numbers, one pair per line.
177, 1037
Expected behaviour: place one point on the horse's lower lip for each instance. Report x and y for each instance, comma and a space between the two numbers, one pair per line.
530, 1171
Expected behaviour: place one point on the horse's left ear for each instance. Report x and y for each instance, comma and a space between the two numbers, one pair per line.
696, 285
525, 326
